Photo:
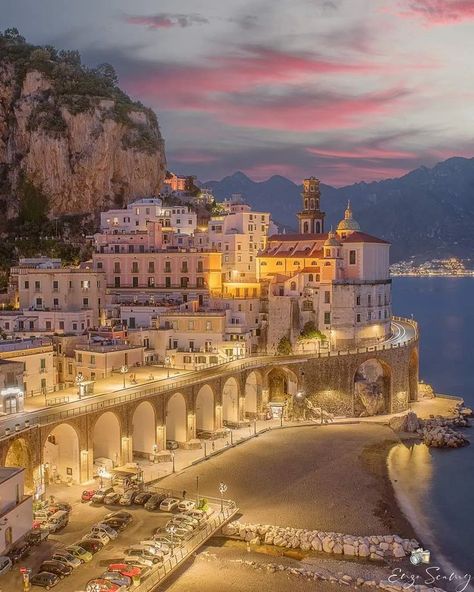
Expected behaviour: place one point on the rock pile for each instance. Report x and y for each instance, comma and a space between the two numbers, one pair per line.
370, 547
443, 437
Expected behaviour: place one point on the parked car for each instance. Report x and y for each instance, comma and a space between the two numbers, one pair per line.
117, 578
97, 536
115, 523
165, 538
127, 570
45, 579
57, 521
151, 548
138, 559
67, 558
198, 515
121, 515
169, 503
37, 535
91, 545
157, 545
128, 498
112, 498
171, 445
178, 518
154, 501
178, 532
185, 505
101, 585
66, 506
87, 495
82, 554
56, 567
19, 551
179, 525
142, 497
139, 551
108, 530
5, 564
99, 495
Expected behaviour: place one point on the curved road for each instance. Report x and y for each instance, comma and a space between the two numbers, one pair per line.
402, 332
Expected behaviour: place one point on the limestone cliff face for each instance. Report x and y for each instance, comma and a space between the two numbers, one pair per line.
84, 160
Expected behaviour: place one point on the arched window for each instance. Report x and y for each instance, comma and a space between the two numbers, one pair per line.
318, 227
312, 204
317, 277
310, 277
305, 228
293, 286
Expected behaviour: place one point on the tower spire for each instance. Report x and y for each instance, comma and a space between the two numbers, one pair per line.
311, 219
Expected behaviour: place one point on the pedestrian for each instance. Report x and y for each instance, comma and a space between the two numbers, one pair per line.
184, 493
213, 446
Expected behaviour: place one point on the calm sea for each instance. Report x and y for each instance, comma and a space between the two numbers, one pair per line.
439, 484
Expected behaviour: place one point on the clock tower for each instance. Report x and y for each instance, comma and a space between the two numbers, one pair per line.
311, 219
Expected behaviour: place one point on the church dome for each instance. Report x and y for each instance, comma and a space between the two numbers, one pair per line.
348, 223
332, 240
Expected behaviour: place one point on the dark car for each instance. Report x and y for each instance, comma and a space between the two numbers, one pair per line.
45, 579
121, 515
115, 523
118, 578
37, 535
171, 445
56, 567
154, 502
19, 551
65, 506
112, 498
91, 545
142, 498
99, 495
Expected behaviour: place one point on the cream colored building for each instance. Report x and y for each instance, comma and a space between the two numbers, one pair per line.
97, 361
16, 508
37, 357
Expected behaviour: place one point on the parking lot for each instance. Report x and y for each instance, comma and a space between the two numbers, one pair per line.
82, 518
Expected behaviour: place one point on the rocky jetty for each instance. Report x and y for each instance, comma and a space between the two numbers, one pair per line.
438, 432
377, 547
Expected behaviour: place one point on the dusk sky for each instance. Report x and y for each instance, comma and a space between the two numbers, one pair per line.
348, 90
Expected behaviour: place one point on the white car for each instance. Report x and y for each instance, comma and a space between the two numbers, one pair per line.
133, 559
106, 529
144, 552
198, 515
164, 538
5, 564
176, 532
152, 548
182, 519
67, 558
168, 504
98, 536
185, 505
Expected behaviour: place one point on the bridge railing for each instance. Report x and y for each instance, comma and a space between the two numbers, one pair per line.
133, 393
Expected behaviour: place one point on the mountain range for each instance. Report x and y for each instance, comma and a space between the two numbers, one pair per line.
427, 213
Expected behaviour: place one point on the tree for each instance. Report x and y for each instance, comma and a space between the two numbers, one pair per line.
284, 346
13, 34
70, 56
309, 331
108, 72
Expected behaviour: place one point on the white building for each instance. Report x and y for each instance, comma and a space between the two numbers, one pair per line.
16, 508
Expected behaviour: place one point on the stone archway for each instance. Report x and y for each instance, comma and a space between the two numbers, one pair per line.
61, 457
204, 407
230, 401
253, 390
413, 376
372, 388
176, 418
143, 429
106, 438
282, 383
19, 455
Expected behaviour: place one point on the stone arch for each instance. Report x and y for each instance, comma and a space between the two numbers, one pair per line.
19, 455
61, 456
204, 408
413, 375
106, 437
230, 401
253, 394
282, 383
143, 429
176, 428
372, 388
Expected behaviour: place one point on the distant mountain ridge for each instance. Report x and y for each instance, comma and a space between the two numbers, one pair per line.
427, 213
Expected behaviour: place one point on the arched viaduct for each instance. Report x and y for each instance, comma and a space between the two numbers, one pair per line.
125, 427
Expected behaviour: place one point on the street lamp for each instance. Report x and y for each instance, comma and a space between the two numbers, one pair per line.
167, 364
197, 491
123, 371
155, 451
172, 531
172, 458
222, 490
79, 382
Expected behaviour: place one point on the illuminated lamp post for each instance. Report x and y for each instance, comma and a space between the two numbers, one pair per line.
123, 371
167, 364
172, 459
79, 383
222, 490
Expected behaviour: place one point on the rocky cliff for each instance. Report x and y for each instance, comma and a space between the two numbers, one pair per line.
72, 133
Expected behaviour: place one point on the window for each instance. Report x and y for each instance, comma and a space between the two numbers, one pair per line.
37, 286
379, 299
61, 325
208, 325
184, 267
200, 282
48, 325
167, 266
55, 302
132, 322
151, 282
85, 284
190, 325
85, 302
358, 318
369, 300
184, 282
55, 285
327, 297
327, 318
134, 281
352, 257
93, 360
187, 359
200, 267
117, 281
74, 327
99, 265
369, 315
79, 358
151, 267
116, 267
358, 300
293, 286
27, 285
43, 364
135, 267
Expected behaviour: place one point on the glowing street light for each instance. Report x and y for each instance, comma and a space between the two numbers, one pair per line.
168, 364
123, 371
172, 531
222, 490
172, 458
79, 380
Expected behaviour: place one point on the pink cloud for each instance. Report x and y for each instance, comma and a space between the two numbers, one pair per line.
439, 12
360, 153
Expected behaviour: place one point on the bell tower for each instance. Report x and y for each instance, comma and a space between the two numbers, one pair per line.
311, 219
